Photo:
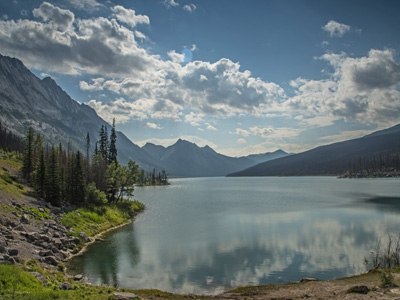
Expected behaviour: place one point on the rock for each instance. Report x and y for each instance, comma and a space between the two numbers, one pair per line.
78, 277
74, 240
41, 209
11, 223
125, 296
99, 240
65, 286
20, 228
12, 260
25, 219
44, 237
3, 249
46, 253
13, 252
9, 237
40, 277
32, 236
83, 236
359, 289
51, 260
308, 279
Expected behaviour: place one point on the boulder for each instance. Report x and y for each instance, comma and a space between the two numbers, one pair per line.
13, 252
84, 237
46, 253
40, 277
125, 296
359, 289
32, 236
51, 260
65, 286
25, 219
78, 277
3, 249
307, 279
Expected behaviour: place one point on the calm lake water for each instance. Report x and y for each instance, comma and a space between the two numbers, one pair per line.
209, 235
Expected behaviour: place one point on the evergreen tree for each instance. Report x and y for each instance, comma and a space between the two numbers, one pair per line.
87, 161
103, 143
78, 188
99, 172
28, 165
112, 153
40, 173
53, 190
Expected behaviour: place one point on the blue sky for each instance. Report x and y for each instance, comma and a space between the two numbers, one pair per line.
241, 76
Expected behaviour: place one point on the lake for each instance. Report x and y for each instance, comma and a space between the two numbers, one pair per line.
209, 235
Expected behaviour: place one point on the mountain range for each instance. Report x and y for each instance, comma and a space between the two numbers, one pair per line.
189, 160
26, 100
331, 159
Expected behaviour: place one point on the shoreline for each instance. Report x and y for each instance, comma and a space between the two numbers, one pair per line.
96, 236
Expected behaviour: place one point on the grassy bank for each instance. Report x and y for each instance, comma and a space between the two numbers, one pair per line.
95, 220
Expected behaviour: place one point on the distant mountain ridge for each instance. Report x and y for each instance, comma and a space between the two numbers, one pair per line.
26, 100
331, 159
189, 160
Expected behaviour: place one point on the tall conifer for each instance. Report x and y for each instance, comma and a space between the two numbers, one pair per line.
112, 153
28, 165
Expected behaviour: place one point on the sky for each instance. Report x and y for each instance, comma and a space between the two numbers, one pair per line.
243, 77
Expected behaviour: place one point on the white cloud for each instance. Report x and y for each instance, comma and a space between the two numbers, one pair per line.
60, 43
194, 119
241, 141
336, 29
363, 89
210, 127
128, 16
88, 5
97, 85
176, 57
346, 135
57, 18
153, 125
169, 3
190, 7
242, 132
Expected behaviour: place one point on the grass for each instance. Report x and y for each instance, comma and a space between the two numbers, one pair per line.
98, 219
17, 283
8, 182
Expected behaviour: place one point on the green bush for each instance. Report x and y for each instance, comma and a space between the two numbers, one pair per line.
94, 196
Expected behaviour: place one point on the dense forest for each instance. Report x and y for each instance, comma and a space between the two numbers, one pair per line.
9, 141
63, 176
375, 165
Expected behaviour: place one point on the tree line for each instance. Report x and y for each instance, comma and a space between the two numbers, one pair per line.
60, 175
10, 141
384, 162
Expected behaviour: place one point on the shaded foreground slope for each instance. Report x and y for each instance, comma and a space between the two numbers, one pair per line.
331, 159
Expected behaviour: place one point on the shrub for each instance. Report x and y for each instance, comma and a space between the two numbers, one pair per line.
95, 196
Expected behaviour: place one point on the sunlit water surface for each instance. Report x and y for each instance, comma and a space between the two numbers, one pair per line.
209, 235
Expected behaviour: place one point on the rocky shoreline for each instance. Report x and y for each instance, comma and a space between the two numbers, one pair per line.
27, 235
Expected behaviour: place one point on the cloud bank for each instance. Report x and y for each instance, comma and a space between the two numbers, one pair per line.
148, 87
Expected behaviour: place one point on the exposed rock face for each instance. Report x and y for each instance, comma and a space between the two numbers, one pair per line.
26, 100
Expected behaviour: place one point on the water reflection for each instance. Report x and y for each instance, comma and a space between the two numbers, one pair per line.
185, 246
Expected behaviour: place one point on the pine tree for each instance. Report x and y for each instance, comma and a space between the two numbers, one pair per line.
53, 190
28, 165
78, 188
40, 173
112, 153
103, 143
